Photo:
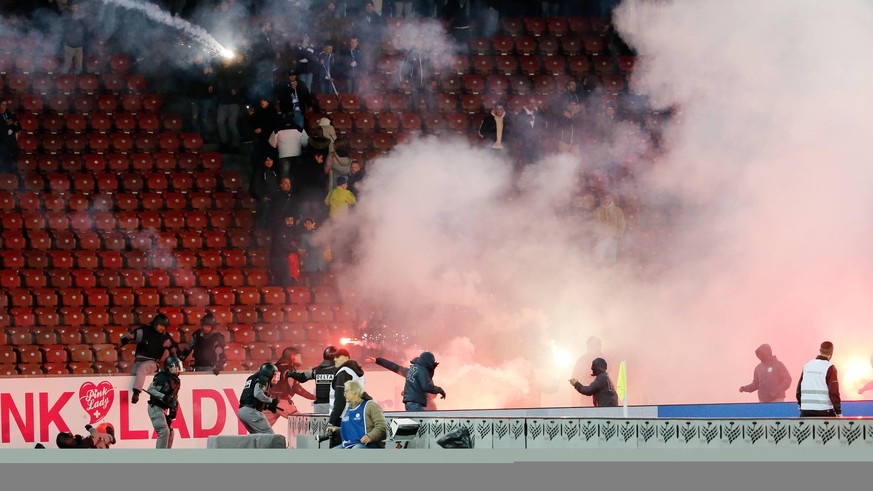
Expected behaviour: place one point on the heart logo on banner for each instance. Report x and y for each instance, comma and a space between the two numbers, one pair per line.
96, 399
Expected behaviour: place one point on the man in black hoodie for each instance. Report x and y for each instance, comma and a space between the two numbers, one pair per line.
285, 243
419, 392
601, 389
264, 188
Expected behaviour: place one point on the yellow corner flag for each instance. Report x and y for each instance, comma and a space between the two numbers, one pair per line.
621, 383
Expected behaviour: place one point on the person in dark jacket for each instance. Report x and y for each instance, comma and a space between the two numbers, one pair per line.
264, 120
229, 83
151, 343
601, 389
346, 369
323, 375
207, 344
818, 390
201, 91
73, 37
283, 204
283, 254
771, 378
295, 99
164, 401
419, 391
286, 388
257, 397
495, 127
264, 188
9, 130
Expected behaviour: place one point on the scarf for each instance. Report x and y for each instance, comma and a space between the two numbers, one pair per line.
498, 121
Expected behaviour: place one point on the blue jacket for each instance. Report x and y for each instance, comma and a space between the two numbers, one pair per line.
419, 380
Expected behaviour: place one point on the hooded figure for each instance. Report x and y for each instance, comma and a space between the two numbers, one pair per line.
771, 378
399, 370
286, 388
601, 389
419, 382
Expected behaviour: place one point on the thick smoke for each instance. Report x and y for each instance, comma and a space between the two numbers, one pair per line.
757, 205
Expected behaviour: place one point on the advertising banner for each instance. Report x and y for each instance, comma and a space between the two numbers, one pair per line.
36, 409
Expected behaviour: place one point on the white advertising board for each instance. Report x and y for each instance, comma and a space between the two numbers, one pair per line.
36, 409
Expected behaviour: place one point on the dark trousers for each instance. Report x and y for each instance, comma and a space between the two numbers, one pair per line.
822, 413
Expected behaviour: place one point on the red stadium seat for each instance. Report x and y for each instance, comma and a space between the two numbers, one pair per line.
148, 122
152, 102
145, 142
327, 103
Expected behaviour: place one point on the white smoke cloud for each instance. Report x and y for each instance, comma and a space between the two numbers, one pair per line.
754, 225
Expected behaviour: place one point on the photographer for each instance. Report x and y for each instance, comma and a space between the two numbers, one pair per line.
362, 424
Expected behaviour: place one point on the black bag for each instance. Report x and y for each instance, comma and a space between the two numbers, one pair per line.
459, 438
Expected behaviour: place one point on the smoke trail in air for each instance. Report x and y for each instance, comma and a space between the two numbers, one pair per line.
155, 13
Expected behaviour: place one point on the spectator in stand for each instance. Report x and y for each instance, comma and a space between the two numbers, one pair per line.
303, 61
284, 259
329, 132
571, 93
73, 37
356, 178
295, 100
264, 55
339, 164
229, 87
403, 8
264, 188
284, 203
352, 65
370, 25
416, 72
312, 181
531, 130
568, 129
264, 120
339, 200
495, 127
329, 23
201, 90
9, 131
326, 60
611, 227
314, 254
552, 8
289, 140
455, 14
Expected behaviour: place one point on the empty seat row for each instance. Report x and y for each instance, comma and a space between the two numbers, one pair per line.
87, 103
66, 84
38, 268
131, 182
101, 122
120, 162
165, 220
177, 288
101, 143
17, 52
139, 239
12, 203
